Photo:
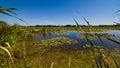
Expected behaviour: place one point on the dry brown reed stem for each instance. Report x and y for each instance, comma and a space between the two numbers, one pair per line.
10, 49
7, 44
8, 52
104, 58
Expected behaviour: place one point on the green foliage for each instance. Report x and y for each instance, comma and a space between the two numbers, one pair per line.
13, 34
99, 54
50, 53
57, 41
3, 23
9, 12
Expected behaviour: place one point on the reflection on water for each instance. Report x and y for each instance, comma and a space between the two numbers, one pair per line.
114, 34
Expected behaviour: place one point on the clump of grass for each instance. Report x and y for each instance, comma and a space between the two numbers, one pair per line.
99, 55
103, 58
57, 41
19, 50
8, 51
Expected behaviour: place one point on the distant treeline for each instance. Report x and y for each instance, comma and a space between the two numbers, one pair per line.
74, 25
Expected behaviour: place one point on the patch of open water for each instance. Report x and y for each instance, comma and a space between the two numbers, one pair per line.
114, 35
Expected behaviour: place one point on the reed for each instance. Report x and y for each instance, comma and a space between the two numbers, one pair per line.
117, 65
8, 51
99, 57
69, 62
51, 66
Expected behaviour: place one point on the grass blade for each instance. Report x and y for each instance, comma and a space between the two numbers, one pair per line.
89, 26
1, 9
9, 11
69, 62
117, 66
8, 52
78, 25
51, 66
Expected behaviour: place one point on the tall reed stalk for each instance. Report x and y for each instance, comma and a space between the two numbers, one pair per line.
8, 51
100, 60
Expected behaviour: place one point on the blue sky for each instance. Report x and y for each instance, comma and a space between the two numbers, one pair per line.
61, 12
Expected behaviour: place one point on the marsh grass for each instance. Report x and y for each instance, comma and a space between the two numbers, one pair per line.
52, 64
101, 59
8, 51
29, 55
43, 56
69, 62
12, 34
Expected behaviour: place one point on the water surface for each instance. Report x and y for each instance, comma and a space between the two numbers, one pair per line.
114, 34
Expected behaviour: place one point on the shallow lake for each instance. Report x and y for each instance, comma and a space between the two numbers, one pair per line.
79, 36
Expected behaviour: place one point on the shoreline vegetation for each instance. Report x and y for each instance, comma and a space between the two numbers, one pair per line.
57, 52
20, 49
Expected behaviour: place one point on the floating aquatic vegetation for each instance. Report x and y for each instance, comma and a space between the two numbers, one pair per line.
57, 41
